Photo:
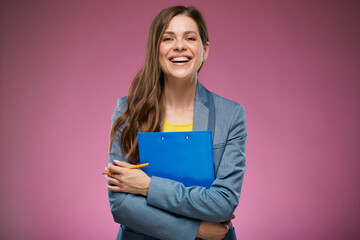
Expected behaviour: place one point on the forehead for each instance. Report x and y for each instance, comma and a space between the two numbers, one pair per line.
182, 23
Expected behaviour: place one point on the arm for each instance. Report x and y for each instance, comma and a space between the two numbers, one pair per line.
217, 203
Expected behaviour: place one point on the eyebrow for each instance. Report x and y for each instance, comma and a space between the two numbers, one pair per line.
173, 33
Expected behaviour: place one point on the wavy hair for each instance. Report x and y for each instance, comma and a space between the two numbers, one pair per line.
146, 104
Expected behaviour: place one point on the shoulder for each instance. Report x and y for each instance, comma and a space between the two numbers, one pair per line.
121, 102
230, 118
227, 107
120, 108
222, 104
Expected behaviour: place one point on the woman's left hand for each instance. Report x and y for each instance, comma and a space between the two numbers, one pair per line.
122, 179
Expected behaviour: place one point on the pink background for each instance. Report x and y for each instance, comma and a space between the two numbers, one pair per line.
293, 64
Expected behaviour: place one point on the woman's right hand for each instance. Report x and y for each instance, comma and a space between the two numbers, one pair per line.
213, 230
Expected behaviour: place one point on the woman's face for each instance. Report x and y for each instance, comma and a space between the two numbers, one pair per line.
181, 50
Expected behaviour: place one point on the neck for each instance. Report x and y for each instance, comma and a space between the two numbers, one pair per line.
180, 94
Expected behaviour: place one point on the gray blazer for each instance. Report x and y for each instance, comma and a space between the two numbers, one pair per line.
172, 211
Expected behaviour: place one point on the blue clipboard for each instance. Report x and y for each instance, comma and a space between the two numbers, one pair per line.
185, 157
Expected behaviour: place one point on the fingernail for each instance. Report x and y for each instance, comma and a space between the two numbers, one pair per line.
116, 161
108, 165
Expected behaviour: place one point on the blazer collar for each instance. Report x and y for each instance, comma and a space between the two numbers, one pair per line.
204, 115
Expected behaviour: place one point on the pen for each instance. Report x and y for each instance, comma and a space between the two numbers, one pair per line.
130, 167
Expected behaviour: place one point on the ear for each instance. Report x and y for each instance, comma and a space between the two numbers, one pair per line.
206, 51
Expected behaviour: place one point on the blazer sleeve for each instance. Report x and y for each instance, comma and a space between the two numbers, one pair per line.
217, 203
133, 211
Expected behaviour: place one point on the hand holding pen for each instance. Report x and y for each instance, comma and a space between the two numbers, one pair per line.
124, 177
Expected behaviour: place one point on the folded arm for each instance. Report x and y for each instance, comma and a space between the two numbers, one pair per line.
217, 203
168, 199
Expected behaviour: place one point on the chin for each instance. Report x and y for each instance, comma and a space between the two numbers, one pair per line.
183, 76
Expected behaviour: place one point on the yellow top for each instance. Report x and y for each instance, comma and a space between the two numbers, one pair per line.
171, 127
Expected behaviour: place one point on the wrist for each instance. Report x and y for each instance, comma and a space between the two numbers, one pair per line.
198, 234
146, 186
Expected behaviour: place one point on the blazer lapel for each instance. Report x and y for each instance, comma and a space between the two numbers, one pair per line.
201, 117
204, 110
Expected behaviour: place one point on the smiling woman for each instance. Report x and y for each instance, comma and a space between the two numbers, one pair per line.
167, 96
181, 50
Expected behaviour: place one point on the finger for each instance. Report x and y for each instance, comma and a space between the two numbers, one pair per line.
227, 224
113, 188
113, 181
122, 163
115, 169
115, 177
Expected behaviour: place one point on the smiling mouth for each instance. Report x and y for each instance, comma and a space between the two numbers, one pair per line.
180, 59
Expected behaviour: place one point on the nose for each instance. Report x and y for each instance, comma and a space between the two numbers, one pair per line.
179, 45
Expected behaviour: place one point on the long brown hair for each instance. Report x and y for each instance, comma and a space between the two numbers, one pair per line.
146, 104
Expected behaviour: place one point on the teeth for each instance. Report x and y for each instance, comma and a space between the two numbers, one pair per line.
180, 59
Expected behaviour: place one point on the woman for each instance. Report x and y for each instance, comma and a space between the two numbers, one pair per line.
166, 96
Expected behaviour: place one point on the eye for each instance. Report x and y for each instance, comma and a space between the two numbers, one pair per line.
167, 39
191, 39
